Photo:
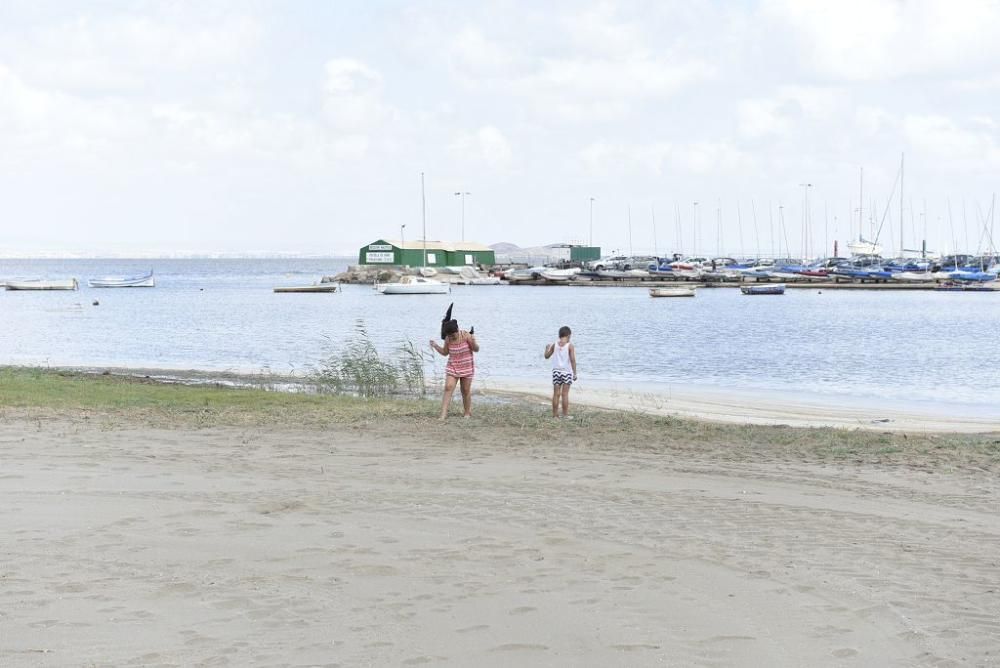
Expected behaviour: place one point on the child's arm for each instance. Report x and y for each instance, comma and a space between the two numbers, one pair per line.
441, 349
473, 344
549, 349
572, 359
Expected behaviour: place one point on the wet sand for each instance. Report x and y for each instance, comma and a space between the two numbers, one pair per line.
762, 408
353, 546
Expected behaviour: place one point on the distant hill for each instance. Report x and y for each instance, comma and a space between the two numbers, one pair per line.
508, 252
505, 247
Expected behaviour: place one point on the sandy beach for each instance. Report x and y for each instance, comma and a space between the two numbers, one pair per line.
411, 543
766, 407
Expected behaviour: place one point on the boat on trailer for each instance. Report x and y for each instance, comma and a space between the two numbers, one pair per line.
671, 292
146, 281
763, 289
42, 284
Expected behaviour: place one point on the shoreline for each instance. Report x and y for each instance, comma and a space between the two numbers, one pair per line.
709, 404
699, 403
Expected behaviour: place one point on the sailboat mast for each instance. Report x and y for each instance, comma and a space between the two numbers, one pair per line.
652, 211
423, 214
861, 205
629, 208
901, 246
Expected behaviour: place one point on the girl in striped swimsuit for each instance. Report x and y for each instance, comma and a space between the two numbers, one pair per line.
458, 347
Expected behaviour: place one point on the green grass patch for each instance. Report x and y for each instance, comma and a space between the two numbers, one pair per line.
124, 396
122, 401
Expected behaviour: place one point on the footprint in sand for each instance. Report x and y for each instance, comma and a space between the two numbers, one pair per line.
522, 610
470, 629
519, 647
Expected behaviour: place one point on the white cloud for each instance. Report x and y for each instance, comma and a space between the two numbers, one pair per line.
487, 145
657, 158
605, 68
863, 40
353, 93
127, 52
943, 139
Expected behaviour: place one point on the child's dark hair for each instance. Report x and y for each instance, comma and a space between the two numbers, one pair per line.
564, 331
448, 328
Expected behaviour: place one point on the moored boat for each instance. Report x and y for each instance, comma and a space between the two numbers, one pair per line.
41, 284
414, 285
955, 286
763, 289
671, 292
317, 287
146, 281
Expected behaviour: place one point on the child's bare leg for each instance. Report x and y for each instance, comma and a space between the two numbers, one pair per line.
555, 400
449, 387
565, 400
466, 395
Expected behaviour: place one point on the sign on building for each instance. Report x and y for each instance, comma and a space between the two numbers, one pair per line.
380, 247
379, 257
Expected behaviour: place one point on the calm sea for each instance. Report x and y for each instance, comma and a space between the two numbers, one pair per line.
902, 347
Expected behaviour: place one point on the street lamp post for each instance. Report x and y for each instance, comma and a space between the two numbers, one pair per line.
694, 230
462, 195
402, 241
592, 200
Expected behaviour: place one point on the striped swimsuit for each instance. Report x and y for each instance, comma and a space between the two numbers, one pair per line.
461, 363
562, 368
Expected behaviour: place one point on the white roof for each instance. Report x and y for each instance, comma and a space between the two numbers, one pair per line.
438, 245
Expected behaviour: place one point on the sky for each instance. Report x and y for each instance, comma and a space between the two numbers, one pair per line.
248, 126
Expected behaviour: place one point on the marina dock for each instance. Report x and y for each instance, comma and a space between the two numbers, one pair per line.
818, 285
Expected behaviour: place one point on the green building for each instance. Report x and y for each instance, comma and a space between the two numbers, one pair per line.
584, 253
430, 253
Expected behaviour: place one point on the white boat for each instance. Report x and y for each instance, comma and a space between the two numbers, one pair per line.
428, 272
40, 284
414, 285
146, 281
671, 292
864, 247
469, 276
530, 274
914, 277
559, 275
763, 289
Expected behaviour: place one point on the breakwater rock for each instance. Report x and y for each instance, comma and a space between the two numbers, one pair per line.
362, 274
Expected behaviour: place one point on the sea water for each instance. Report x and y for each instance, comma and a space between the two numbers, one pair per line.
904, 347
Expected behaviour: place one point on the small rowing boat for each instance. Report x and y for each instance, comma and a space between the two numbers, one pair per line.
671, 292
318, 287
40, 284
146, 281
763, 289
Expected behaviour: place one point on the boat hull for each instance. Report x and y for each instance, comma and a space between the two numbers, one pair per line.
671, 292
391, 289
68, 284
322, 287
776, 289
114, 282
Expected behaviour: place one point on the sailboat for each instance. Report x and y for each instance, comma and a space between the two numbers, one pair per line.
862, 246
423, 284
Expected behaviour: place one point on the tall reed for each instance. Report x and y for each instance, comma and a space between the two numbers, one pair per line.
359, 369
